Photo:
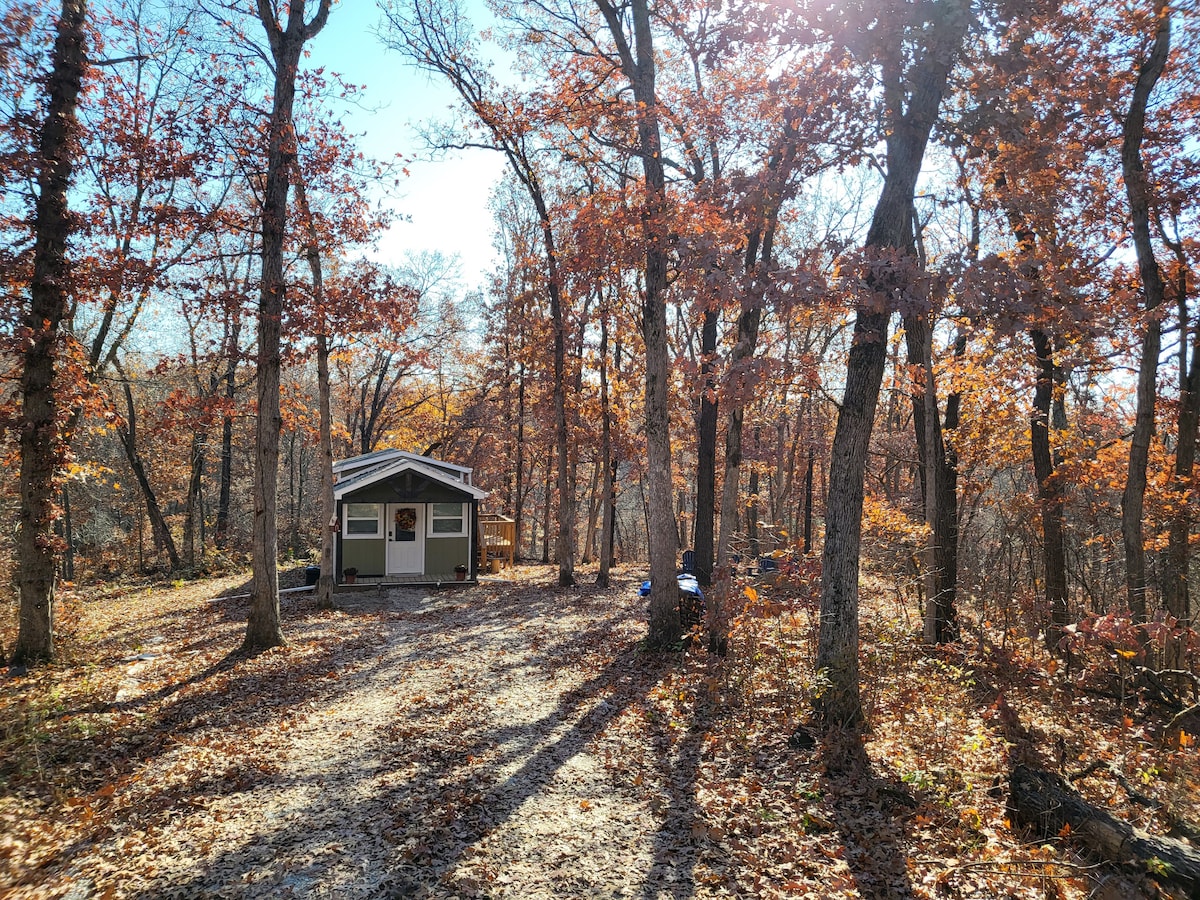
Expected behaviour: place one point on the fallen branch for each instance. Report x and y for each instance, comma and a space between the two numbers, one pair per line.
1014, 868
1184, 674
1101, 766
1157, 678
308, 587
1177, 719
1049, 805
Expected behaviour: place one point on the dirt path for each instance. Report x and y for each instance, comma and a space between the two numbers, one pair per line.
468, 751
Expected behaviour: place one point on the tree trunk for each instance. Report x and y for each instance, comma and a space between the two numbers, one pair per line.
1176, 595
759, 257
225, 476
263, 628
719, 606
891, 229
158, 523
194, 513
929, 441
522, 484
42, 444
68, 536
548, 498
808, 501
752, 545
1050, 498
1047, 413
329, 522
784, 480
564, 543
565, 539
940, 589
837, 648
637, 62
730, 483
706, 453
947, 527
1137, 189
295, 490
589, 540
608, 500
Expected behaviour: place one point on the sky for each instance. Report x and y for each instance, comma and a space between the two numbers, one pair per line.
445, 201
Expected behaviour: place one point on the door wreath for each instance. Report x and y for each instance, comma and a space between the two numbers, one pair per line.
406, 519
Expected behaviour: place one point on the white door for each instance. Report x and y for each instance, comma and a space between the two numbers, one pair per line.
406, 538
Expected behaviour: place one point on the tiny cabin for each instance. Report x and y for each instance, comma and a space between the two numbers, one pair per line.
406, 518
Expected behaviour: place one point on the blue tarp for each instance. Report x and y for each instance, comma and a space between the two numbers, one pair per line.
687, 583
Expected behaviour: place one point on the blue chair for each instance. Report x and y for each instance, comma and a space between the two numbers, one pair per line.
689, 562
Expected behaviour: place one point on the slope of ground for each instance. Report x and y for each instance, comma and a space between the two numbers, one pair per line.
512, 740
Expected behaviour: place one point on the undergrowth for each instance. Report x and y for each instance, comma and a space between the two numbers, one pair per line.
930, 772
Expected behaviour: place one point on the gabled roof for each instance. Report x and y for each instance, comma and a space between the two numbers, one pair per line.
377, 457
393, 465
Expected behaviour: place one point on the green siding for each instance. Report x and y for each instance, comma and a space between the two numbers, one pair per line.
367, 555
443, 554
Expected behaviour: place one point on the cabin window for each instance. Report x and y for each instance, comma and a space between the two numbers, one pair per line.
447, 520
362, 520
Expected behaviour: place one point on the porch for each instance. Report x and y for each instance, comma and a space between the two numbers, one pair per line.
416, 579
498, 540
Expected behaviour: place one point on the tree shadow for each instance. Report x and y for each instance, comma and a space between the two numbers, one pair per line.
674, 852
229, 696
430, 805
864, 806
589, 708
437, 815
238, 690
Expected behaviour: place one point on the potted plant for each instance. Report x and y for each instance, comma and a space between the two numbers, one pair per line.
350, 573
460, 572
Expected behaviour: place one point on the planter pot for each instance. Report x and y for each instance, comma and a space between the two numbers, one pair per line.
460, 576
350, 579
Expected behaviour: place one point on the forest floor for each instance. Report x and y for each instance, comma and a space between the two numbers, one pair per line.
512, 739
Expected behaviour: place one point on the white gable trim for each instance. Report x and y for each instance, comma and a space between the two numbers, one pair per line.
355, 464
408, 462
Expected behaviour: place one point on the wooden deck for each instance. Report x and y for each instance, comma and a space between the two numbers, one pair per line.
499, 540
363, 582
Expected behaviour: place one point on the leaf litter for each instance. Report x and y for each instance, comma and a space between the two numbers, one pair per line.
512, 739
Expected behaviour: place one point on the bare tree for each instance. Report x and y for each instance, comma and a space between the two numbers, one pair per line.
432, 35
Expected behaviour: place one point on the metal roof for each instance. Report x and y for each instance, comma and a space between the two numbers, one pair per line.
376, 457
401, 462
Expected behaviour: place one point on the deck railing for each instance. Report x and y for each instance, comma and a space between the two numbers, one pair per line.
499, 539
